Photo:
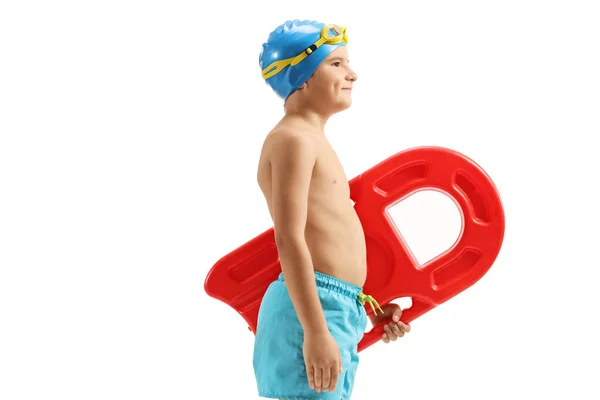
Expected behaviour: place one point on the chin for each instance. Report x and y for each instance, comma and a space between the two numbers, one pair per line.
340, 108
340, 104
346, 104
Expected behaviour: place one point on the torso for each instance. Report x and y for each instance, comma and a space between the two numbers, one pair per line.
334, 234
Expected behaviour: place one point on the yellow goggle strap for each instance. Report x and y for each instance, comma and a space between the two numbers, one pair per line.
277, 66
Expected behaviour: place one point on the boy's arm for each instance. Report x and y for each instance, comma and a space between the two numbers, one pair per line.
292, 165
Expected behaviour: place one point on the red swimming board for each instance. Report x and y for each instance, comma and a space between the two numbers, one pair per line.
241, 278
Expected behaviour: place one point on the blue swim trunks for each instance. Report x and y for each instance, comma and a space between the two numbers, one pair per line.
278, 358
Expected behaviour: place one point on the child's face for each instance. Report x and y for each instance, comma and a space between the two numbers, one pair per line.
331, 84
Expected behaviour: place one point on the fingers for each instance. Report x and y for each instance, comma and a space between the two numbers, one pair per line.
318, 378
394, 330
326, 379
385, 338
323, 379
330, 378
334, 378
405, 327
392, 334
310, 373
397, 314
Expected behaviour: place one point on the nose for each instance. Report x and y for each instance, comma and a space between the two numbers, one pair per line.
351, 76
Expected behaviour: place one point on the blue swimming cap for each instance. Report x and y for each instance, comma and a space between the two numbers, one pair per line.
289, 40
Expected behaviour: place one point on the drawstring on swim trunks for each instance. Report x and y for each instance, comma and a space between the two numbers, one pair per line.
363, 298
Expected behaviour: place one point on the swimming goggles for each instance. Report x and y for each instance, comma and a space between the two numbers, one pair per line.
339, 34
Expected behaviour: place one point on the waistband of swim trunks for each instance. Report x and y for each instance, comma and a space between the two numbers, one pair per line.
332, 283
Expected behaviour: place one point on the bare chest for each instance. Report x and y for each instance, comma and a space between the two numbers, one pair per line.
329, 177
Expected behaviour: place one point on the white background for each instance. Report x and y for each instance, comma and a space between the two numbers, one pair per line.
129, 136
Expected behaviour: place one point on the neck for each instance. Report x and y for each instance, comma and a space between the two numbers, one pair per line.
306, 116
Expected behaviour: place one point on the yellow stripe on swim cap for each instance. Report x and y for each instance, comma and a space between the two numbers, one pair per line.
276, 67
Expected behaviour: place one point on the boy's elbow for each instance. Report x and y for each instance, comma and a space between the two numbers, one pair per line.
287, 239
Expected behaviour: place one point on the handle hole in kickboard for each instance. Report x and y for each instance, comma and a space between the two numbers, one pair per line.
429, 221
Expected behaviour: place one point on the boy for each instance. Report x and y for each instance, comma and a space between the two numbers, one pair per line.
312, 318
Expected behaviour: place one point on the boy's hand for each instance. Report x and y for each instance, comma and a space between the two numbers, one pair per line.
393, 330
323, 361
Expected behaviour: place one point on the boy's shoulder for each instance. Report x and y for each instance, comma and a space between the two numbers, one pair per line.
289, 139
